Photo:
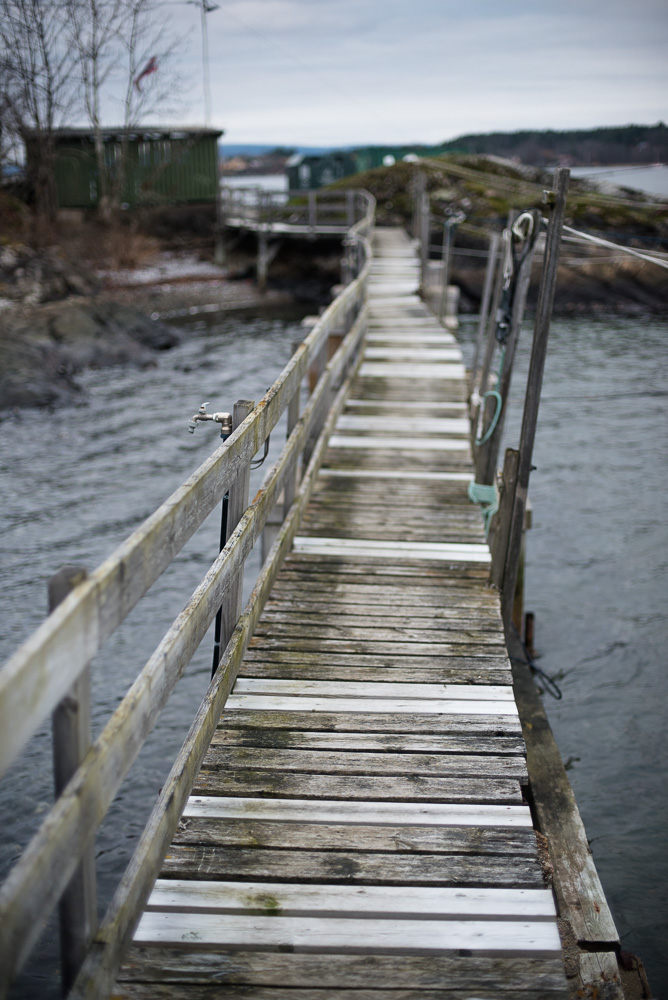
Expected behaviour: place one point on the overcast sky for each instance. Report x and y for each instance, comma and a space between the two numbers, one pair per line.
351, 72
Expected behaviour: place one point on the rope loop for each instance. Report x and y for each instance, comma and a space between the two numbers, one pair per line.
495, 419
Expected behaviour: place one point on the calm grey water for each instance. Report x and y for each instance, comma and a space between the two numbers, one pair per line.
596, 581
73, 484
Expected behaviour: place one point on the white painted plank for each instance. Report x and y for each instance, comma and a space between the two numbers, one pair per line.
452, 477
356, 936
189, 896
359, 548
358, 813
379, 369
408, 405
413, 353
365, 689
395, 443
409, 336
394, 706
404, 425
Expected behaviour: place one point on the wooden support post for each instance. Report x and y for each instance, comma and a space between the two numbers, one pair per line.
479, 385
418, 196
488, 453
238, 501
483, 319
424, 240
500, 527
71, 722
445, 267
534, 385
350, 208
262, 243
312, 210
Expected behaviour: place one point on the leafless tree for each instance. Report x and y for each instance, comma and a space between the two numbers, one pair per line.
37, 88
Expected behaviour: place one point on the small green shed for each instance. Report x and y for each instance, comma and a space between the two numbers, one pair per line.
162, 165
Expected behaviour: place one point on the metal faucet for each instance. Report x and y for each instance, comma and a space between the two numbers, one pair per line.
224, 419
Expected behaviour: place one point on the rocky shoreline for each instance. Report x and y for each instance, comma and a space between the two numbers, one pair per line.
44, 345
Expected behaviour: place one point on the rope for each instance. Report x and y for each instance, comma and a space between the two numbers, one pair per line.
551, 686
484, 495
598, 241
484, 438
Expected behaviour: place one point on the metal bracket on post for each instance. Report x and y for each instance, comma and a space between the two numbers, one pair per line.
71, 722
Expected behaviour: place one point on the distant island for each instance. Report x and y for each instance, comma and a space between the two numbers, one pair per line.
614, 145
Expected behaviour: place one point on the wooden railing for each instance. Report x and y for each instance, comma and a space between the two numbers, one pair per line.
321, 211
48, 674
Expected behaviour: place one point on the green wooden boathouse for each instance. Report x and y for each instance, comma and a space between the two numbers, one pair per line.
162, 165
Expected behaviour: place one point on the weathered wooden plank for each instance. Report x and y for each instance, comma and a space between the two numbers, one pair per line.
359, 689
448, 673
363, 762
334, 626
162, 991
368, 549
417, 788
359, 868
351, 837
482, 661
411, 444
416, 476
391, 706
415, 608
519, 977
342, 572
388, 742
282, 667
396, 648
184, 896
391, 722
324, 934
357, 810
411, 405
452, 595
386, 531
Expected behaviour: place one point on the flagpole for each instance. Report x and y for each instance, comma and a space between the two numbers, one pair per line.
205, 65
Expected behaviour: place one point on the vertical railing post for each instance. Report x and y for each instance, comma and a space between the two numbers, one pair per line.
350, 208
291, 478
71, 722
480, 382
312, 210
534, 385
483, 319
420, 183
487, 454
237, 503
424, 240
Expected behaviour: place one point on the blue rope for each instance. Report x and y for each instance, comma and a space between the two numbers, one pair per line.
495, 419
484, 495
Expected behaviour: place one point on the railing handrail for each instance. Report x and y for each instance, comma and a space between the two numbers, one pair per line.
255, 207
40, 674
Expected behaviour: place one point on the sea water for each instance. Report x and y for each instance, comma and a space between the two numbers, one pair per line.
75, 482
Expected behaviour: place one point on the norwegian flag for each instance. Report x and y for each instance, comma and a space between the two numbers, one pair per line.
150, 67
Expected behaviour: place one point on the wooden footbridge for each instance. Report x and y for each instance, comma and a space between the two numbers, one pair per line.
349, 815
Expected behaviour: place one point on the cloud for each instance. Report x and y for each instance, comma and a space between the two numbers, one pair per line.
362, 70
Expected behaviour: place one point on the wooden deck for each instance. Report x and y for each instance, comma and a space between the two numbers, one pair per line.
358, 827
